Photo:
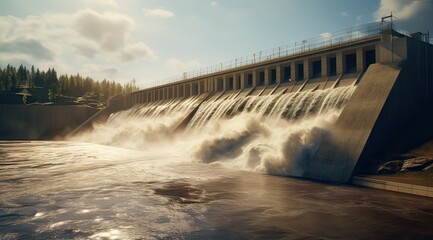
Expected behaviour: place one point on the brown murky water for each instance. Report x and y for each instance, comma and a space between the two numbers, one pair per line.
73, 190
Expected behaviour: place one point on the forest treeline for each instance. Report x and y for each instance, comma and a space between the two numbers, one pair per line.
13, 79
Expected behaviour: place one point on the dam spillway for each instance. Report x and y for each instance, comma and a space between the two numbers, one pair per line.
373, 83
256, 133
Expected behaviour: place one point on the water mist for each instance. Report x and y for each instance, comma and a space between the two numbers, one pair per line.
276, 134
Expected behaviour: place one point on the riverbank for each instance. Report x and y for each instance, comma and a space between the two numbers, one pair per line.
41, 122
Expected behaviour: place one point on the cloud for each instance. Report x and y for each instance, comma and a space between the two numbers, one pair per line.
104, 3
136, 51
108, 29
214, 4
108, 34
412, 15
344, 14
326, 36
158, 12
88, 34
182, 66
101, 71
359, 17
27, 47
404, 9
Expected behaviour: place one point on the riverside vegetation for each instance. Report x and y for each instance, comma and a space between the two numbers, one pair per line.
23, 86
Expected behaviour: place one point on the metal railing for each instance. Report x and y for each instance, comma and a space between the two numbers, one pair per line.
324, 40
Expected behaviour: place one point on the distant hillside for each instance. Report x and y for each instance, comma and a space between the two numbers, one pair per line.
23, 86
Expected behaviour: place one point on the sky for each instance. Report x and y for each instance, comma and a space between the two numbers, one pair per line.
151, 40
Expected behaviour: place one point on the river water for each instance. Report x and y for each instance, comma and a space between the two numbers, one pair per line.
225, 176
76, 190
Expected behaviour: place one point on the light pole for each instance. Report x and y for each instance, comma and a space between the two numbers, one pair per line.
392, 43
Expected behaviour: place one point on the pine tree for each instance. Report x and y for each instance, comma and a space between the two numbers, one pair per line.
21, 75
31, 77
38, 79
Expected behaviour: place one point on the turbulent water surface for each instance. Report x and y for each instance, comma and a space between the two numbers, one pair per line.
223, 177
53, 190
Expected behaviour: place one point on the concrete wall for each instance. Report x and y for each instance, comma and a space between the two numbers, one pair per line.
336, 158
412, 92
385, 100
34, 122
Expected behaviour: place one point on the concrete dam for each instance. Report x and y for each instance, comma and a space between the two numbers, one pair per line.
320, 109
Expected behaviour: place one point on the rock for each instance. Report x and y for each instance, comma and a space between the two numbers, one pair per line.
412, 164
416, 164
391, 167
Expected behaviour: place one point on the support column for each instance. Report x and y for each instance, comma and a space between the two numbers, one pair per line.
279, 74
255, 78
267, 75
235, 82
243, 80
324, 63
215, 84
340, 63
294, 71
307, 73
360, 64
190, 89
205, 85
225, 85
184, 89
199, 90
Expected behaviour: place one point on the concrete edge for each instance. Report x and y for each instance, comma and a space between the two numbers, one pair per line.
393, 186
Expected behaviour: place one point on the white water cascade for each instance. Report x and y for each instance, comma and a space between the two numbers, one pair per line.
172, 109
273, 108
275, 134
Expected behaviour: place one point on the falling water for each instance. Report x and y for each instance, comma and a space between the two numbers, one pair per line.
274, 134
272, 108
155, 110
